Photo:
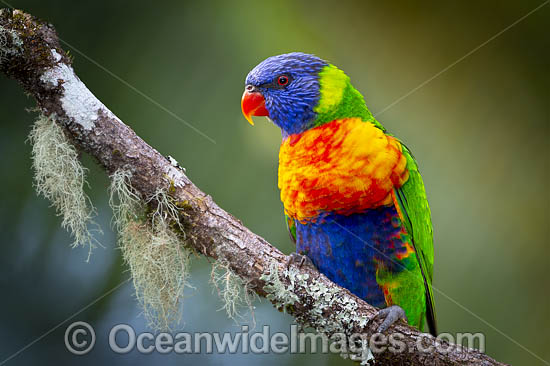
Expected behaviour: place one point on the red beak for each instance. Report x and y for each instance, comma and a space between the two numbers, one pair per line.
253, 104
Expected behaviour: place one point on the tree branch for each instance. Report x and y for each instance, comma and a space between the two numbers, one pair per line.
30, 53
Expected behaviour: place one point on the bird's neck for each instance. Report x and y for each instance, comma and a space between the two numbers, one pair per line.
338, 99
347, 103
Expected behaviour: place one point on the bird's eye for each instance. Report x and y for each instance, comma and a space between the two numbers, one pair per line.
282, 80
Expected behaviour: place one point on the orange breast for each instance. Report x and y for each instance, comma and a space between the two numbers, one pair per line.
344, 166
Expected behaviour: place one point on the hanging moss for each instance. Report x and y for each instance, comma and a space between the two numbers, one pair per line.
60, 177
155, 253
232, 290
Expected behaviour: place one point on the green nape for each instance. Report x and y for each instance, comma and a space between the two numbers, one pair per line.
339, 99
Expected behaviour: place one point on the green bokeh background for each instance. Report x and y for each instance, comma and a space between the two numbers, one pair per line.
480, 132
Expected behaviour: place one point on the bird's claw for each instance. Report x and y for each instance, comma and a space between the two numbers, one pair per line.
390, 315
300, 260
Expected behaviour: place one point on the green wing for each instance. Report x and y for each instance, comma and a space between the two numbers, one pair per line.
291, 226
413, 203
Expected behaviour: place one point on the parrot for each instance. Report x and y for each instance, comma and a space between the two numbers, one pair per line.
354, 201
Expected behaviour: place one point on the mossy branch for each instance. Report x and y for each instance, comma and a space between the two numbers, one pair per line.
30, 53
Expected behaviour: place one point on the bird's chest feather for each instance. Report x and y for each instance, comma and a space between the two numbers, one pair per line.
342, 167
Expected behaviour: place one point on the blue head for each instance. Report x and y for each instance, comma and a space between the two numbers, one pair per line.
285, 88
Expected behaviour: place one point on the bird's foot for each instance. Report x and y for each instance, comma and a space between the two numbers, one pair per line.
300, 260
390, 315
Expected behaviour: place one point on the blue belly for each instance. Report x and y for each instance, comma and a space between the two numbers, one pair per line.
349, 249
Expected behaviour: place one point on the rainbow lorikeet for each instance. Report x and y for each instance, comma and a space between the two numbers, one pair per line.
353, 197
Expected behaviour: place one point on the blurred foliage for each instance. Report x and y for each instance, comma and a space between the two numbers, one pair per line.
479, 131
